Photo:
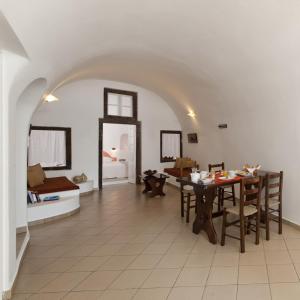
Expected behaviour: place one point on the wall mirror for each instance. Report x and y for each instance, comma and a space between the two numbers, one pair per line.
119, 104
170, 145
50, 146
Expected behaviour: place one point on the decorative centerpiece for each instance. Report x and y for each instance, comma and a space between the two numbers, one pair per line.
251, 169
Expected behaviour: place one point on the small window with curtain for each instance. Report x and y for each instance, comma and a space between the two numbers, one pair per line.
50, 147
170, 145
119, 104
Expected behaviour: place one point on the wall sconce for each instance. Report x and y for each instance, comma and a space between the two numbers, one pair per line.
50, 98
192, 114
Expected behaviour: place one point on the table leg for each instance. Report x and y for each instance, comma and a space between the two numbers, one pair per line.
203, 221
147, 186
157, 186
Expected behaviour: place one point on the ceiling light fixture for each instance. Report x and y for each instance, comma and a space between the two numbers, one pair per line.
191, 114
50, 98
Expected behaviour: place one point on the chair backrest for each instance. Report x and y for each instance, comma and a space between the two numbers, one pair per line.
216, 167
250, 192
273, 186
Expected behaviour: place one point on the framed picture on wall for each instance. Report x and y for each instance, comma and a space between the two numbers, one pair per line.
192, 138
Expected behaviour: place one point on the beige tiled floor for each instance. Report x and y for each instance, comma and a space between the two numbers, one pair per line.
123, 245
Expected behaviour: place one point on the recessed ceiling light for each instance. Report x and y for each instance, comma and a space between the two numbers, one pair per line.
50, 98
191, 114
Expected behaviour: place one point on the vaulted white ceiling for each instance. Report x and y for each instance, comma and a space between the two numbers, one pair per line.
197, 54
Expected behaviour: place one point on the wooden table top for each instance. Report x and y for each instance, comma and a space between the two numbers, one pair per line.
219, 182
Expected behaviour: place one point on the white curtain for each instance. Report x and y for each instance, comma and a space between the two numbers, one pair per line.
170, 145
47, 147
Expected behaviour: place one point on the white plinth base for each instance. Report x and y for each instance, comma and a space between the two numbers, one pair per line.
42, 211
86, 187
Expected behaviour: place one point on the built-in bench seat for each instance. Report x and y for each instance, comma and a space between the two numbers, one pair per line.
46, 211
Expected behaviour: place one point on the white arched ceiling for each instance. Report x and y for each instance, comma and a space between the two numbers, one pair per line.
226, 45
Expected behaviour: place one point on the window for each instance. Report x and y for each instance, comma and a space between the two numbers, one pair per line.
50, 146
119, 104
170, 145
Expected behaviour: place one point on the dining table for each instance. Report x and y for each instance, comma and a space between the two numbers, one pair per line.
205, 197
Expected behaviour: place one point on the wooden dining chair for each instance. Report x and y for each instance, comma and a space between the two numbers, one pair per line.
224, 192
272, 203
188, 200
246, 210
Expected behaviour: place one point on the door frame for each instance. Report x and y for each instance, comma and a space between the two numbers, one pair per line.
138, 144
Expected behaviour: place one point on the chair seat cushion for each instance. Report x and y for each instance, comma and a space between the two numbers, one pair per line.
272, 202
248, 210
188, 189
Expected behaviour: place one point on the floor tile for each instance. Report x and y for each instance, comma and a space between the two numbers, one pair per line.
33, 282
172, 261
20, 296
89, 263
199, 260
59, 265
285, 291
105, 250
282, 273
193, 277
253, 291
278, 257
181, 248
295, 255
83, 296
47, 296
226, 259
118, 294
81, 251
130, 279
157, 248
131, 249
65, 282
272, 245
218, 292
252, 259
252, 274
118, 262
33, 265
223, 275
145, 261
161, 278
186, 293
152, 294
293, 244
98, 281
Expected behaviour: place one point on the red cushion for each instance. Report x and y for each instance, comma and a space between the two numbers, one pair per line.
55, 184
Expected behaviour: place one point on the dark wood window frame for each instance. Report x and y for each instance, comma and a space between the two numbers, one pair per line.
68, 132
134, 96
111, 120
162, 159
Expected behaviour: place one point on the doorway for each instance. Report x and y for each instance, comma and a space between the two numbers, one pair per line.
119, 152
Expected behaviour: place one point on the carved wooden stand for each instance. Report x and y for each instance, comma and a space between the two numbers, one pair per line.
154, 183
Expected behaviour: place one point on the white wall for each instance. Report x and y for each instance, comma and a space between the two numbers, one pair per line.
80, 107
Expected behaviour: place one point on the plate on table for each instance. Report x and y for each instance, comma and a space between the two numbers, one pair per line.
207, 181
223, 178
242, 173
